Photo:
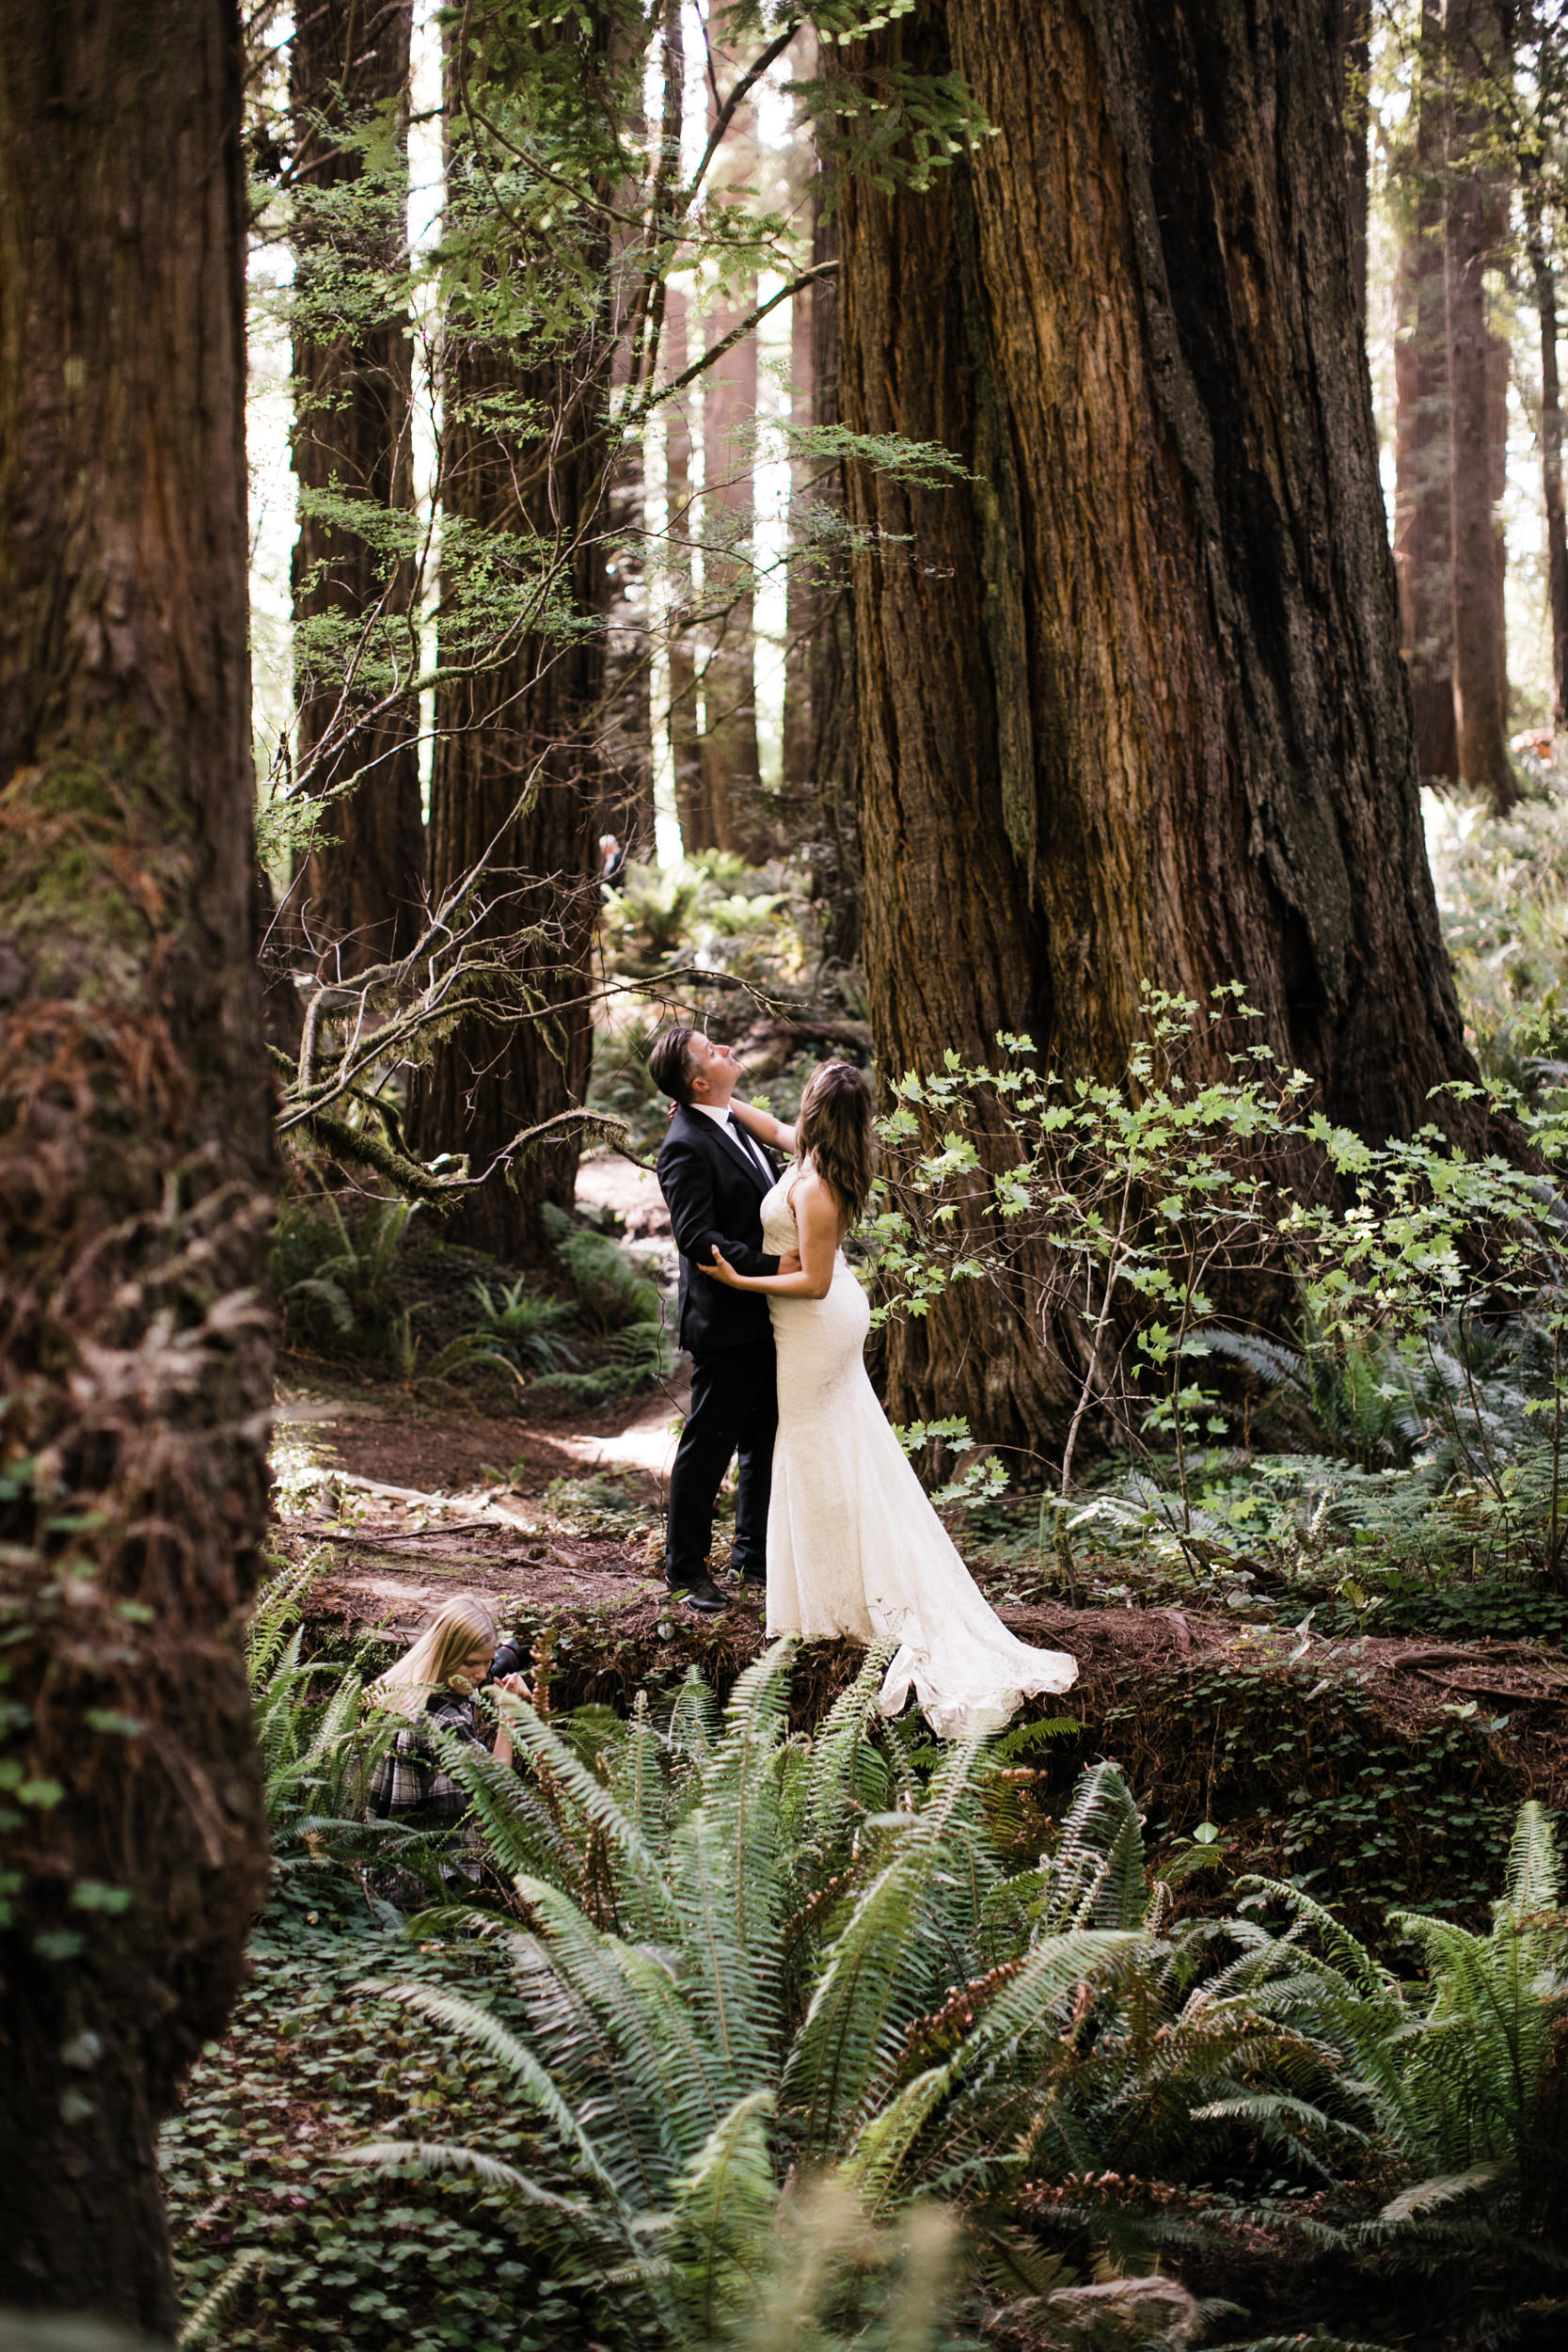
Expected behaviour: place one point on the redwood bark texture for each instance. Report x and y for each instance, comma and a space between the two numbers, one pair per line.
1355, 49
519, 763
685, 735
358, 900
1476, 53
135, 1123
832, 750
1545, 278
1423, 519
1131, 706
731, 815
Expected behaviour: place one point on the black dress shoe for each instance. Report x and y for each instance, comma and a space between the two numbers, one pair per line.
701, 1594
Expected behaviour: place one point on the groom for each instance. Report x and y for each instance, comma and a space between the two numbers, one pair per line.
712, 1177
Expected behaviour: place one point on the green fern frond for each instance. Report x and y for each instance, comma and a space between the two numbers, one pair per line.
218, 2297
645, 1884
1097, 1876
847, 1777
433, 2159
1423, 2197
1342, 1949
879, 2150
722, 2209
1533, 1880
480, 2030
694, 1721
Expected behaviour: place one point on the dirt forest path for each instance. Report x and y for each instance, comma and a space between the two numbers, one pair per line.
1286, 1742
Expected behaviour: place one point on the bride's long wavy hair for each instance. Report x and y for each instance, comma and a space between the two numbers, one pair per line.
835, 1133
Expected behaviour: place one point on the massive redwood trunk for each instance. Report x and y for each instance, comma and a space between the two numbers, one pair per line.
1132, 707
356, 655
519, 765
1423, 521
135, 1126
1477, 56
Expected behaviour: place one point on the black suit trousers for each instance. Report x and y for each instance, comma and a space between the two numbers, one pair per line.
734, 1411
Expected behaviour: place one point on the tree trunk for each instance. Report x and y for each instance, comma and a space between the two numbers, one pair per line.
800, 608
955, 948
732, 772
685, 734
1475, 51
1154, 723
1423, 516
1544, 278
518, 765
1355, 50
134, 1124
358, 900
831, 758
626, 742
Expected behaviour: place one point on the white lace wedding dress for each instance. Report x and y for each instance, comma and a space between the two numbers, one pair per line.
853, 1546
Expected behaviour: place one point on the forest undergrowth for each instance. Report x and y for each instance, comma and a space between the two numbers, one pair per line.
1252, 2036
710, 2032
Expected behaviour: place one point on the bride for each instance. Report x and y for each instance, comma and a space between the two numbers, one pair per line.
853, 1546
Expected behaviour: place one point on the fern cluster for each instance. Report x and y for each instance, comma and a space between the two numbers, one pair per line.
765, 2001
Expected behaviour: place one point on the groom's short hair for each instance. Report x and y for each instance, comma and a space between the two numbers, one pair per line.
668, 1064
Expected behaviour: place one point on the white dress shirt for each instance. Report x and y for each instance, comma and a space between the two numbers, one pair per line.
727, 1119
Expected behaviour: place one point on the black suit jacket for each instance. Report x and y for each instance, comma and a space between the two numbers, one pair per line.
713, 1191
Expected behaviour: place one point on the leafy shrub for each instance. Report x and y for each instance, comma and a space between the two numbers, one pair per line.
612, 1287
601, 1504
1147, 1217
1461, 2076
1502, 887
649, 918
334, 1279
622, 1082
525, 1324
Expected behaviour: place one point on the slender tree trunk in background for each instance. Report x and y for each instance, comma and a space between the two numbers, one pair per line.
1475, 51
1497, 368
1423, 514
799, 807
736, 816
800, 611
1156, 725
732, 774
353, 441
1356, 50
627, 740
1545, 281
518, 771
628, 791
685, 734
833, 754
134, 1124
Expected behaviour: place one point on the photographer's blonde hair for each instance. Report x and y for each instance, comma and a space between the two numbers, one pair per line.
454, 1634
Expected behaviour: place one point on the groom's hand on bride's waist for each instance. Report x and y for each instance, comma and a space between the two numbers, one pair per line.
789, 1263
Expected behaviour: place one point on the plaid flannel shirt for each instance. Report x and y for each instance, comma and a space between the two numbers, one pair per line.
409, 1779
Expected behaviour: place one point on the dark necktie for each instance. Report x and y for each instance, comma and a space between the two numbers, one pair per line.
744, 1140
